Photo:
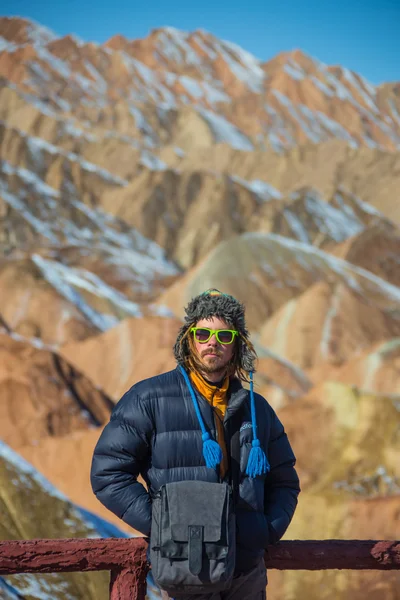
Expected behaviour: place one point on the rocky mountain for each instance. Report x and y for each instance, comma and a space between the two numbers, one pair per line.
42, 395
65, 460
269, 270
288, 100
137, 173
131, 351
374, 370
349, 490
50, 515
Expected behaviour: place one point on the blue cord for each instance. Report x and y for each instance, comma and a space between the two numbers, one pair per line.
196, 404
211, 449
253, 408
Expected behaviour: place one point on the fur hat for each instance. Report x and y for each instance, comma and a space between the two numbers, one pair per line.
214, 303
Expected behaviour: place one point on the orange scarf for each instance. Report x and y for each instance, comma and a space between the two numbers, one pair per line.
217, 397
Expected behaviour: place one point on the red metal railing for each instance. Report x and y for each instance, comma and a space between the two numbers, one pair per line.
126, 558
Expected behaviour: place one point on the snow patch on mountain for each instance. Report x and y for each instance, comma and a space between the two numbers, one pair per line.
294, 70
263, 190
226, 132
353, 276
243, 65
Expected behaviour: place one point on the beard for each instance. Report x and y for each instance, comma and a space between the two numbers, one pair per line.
213, 363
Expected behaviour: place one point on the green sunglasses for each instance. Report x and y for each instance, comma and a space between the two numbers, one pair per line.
224, 336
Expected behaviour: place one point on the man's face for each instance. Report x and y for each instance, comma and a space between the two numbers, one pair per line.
213, 355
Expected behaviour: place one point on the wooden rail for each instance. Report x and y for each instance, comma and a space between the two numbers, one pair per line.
126, 558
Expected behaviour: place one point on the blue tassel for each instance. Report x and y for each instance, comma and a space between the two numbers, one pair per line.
211, 451
257, 463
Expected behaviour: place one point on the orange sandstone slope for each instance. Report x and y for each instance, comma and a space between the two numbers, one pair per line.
375, 249
267, 271
65, 461
328, 323
133, 350
32, 508
375, 369
43, 395
349, 468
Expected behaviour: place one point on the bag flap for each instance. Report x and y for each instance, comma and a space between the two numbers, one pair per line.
197, 503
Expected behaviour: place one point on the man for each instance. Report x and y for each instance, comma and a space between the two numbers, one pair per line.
155, 431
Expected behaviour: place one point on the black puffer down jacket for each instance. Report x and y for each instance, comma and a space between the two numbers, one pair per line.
154, 432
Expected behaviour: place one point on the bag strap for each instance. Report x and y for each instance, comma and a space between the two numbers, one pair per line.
235, 464
195, 549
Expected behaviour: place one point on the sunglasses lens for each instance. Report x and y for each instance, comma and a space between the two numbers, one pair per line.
225, 337
202, 335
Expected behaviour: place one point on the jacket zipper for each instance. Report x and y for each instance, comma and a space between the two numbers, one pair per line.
215, 416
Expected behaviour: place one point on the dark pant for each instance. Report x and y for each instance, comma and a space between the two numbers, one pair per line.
250, 586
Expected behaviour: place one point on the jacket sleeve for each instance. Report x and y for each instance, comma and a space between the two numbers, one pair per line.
282, 482
122, 450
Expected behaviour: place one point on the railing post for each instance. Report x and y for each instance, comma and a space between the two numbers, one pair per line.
128, 583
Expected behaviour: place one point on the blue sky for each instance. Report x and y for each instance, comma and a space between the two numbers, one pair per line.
359, 34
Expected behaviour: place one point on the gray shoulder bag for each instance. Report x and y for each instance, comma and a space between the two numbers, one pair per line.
192, 543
